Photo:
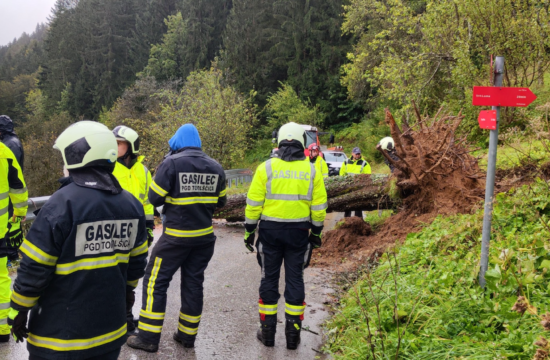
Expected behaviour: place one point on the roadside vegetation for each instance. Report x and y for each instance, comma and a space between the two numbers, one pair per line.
422, 300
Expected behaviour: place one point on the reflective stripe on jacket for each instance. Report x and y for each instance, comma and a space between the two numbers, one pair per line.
351, 166
84, 249
136, 181
286, 191
12, 187
190, 185
321, 166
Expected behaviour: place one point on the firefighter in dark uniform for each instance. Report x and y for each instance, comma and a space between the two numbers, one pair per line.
288, 194
14, 236
85, 250
191, 186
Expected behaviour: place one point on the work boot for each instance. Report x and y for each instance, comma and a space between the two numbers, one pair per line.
187, 341
136, 343
4, 338
292, 333
266, 332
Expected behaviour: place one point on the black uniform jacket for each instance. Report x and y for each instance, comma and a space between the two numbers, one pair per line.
85, 246
190, 185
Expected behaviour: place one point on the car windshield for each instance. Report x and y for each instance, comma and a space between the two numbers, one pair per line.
335, 156
311, 138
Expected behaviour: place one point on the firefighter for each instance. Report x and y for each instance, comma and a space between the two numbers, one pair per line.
388, 145
356, 165
86, 248
134, 177
14, 191
289, 196
191, 186
14, 236
319, 162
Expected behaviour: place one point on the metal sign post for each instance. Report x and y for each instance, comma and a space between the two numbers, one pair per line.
490, 182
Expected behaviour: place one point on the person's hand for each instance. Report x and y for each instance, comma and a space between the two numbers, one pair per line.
378, 147
315, 236
18, 326
249, 238
315, 240
150, 236
21, 218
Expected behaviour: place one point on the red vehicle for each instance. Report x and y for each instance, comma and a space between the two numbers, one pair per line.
312, 137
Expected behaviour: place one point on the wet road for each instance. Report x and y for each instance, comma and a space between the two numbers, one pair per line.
230, 316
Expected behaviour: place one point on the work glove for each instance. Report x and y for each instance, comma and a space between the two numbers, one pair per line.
17, 321
150, 236
15, 238
315, 236
249, 236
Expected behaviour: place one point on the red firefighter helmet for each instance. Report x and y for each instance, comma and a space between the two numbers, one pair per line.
312, 147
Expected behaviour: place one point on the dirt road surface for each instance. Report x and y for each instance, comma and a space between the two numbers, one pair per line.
230, 316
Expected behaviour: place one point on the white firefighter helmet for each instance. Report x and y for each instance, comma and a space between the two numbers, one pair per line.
87, 143
292, 131
387, 143
125, 133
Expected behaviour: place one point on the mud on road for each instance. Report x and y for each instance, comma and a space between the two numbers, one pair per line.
230, 316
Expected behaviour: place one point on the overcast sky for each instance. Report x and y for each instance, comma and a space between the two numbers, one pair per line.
19, 16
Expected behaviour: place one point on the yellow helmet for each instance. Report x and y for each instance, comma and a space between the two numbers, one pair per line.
292, 131
87, 143
387, 143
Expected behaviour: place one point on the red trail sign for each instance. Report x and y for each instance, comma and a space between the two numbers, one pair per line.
502, 96
487, 119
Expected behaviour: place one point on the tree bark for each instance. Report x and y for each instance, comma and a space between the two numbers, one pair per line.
360, 192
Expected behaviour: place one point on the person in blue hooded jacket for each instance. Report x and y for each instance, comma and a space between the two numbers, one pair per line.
191, 186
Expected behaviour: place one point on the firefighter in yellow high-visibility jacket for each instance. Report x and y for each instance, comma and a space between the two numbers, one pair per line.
288, 194
134, 177
315, 158
354, 166
12, 187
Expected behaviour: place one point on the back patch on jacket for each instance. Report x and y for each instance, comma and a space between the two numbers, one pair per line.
196, 182
105, 236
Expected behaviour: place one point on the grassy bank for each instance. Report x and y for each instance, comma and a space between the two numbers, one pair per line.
423, 301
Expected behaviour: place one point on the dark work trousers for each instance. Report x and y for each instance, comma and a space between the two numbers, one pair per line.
357, 213
113, 355
274, 247
169, 255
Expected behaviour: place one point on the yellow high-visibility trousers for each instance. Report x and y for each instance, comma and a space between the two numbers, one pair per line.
5, 294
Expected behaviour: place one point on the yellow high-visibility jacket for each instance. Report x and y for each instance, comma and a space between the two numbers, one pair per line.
12, 186
287, 191
321, 166
351, 166
136, 181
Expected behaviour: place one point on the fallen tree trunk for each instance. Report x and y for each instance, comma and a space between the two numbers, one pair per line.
360, 192
434, 173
